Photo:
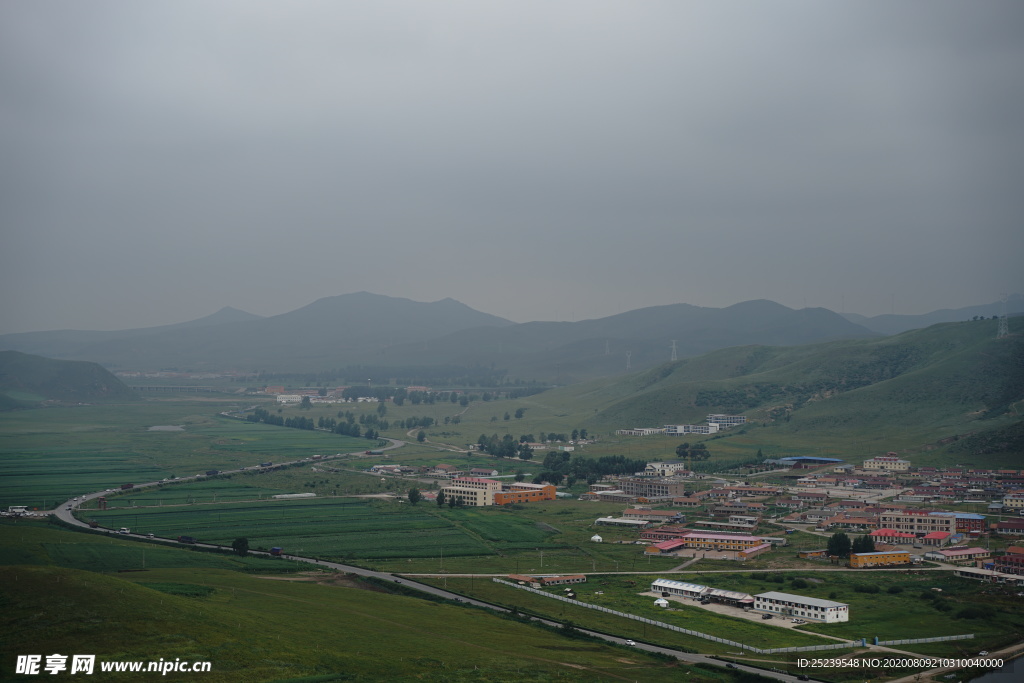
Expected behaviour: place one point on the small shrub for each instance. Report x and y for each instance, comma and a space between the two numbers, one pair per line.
895, 590
799, 583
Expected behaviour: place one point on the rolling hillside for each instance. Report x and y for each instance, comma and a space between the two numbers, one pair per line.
924, 387
27, 381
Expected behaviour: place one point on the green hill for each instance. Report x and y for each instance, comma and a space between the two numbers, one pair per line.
924, 389
27, 380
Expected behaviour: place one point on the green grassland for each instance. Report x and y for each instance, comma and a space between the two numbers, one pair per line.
259, 630
50, 455
854, 399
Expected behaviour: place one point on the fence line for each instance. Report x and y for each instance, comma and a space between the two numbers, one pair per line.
935, 639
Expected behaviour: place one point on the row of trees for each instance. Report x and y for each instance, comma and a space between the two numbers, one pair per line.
559, 466
840, 545
697, 451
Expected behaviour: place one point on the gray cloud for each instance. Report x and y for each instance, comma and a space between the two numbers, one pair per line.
534, 160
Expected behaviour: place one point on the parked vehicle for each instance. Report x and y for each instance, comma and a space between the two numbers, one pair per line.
766, 616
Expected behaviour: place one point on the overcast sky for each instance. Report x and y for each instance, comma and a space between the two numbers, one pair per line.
535, 160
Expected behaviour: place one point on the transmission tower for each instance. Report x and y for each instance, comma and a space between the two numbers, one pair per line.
674, 357
628, 363
1004, 327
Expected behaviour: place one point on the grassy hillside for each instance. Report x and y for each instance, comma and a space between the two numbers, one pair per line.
925, 390
27, 380
263, 628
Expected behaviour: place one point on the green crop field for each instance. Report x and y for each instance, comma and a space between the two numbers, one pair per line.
48, 456
329, 528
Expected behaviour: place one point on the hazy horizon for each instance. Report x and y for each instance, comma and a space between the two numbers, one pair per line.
534, 161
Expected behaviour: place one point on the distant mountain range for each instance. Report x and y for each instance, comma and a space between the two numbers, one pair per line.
894, 324
375, 330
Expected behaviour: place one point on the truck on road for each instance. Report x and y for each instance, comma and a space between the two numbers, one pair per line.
186, 539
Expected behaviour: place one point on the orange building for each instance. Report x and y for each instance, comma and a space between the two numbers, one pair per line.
879, 559
525, 493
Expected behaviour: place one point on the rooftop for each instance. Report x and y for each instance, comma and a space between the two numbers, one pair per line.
802, 599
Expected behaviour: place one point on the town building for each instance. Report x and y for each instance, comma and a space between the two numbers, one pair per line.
957, 555
640, 431
726, 421
887, 463
888, 558
525, 493
667, 468
1011, 563
789, 605
916, 521
675, 430
644, 487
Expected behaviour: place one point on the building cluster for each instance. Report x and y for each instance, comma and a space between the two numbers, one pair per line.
714, 424
771, 603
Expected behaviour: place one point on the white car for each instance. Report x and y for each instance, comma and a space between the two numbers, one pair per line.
631, 643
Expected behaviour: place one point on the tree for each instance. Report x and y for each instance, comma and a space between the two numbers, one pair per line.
240, 546
415, 496
683, 450
864, 544
839, 545
520, 476
519, 413
440, 499
306, 403
421, 436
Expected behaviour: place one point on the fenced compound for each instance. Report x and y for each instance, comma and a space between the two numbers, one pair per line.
751, 648
679, 629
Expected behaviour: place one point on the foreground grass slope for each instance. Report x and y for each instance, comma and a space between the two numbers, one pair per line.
260, 628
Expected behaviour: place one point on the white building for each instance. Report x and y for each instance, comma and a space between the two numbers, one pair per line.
289, 398
640, 431
665, 469
887, 463
789, 605
691, 429
726, 421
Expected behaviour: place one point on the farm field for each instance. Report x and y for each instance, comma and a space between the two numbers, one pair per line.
336, 529
50, 455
